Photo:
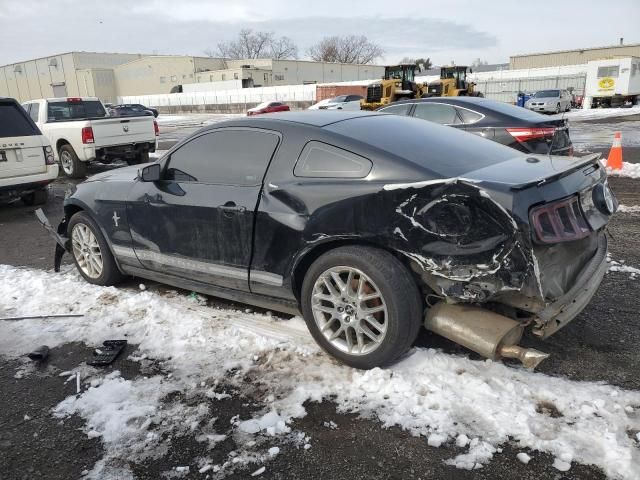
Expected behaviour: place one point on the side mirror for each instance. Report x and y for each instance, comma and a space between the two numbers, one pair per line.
150, 173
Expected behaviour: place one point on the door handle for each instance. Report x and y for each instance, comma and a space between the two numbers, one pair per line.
231, 207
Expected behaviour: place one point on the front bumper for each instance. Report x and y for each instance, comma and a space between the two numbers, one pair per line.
559, 313
542, 108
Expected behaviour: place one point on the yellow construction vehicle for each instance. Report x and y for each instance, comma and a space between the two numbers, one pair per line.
398, 83
453, 83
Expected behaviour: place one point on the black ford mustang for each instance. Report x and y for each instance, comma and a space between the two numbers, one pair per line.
361, 221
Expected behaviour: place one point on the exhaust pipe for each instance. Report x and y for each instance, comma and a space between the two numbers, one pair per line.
487, 333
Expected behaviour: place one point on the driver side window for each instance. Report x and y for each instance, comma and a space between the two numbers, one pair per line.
223, 157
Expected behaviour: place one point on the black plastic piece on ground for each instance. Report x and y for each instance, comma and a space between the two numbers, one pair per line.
107, 353
39, 353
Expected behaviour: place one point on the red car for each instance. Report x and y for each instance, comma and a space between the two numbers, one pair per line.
268, 107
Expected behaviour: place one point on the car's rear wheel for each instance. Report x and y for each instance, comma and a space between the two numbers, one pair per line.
71, 164
361, 305
91, 253
38, 197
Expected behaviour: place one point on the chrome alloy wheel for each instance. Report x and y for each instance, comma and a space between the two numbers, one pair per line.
67, 162
349, 310
86, 250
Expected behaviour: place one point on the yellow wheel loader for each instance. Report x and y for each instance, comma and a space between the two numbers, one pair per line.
453, 83
398, 83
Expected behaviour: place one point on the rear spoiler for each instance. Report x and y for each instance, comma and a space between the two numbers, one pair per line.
590, 161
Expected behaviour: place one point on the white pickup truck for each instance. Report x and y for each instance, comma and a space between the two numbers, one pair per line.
80, 131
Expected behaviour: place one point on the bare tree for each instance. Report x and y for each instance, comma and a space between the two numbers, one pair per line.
283, 48
349, 49
422, 63
250, 44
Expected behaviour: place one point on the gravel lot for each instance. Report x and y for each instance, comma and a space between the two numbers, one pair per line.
602, 345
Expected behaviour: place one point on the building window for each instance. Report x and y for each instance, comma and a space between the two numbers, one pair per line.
184, 76
163, 79
279, 78
174, 78
266, 77
211, 78
610, 71
224, 77
235, 76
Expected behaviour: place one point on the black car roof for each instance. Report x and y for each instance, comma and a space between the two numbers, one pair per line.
315, 118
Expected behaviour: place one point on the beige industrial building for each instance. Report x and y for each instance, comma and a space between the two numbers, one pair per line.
112, 75
572, 57
269, 72
66, 74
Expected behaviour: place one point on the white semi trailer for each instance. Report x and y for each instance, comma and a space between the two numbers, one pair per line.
612, 82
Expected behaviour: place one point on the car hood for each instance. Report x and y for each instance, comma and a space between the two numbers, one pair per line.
528, 170
126, 174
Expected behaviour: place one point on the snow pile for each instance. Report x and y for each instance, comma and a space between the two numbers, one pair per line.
580, 115
628, 170
615, 266
629, 208
447, 399
194, 119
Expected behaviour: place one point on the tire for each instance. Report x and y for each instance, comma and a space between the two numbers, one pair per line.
141, 157
71, 164
398, 306
568, 109
39, 197
108, 274
558, 108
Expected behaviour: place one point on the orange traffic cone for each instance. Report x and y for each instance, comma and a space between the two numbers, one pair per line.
614, 161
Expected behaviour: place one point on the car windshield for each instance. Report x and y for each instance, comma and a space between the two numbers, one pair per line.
262, 105
547, 94
339, 99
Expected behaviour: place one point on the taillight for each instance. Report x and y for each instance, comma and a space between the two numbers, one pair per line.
561, 221
156, 129
526, 134
48, 155
74, 99
87, 135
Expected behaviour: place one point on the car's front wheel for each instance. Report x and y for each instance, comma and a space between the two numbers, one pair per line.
558, 108
91, 253
361, 305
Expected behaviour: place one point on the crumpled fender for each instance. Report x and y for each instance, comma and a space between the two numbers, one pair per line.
465, 245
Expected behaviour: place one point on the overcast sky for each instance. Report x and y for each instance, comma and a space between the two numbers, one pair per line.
462, 31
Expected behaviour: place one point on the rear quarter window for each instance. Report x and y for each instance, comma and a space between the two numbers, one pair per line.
14, 121
321, 160
445, 150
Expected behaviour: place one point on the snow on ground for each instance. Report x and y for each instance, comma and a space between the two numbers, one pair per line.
579, 115
194, 119
448, 399
631, 170
629, 208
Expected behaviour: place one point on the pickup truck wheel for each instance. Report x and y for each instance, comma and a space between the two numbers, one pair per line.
71, 164
141, 157
90, 252
362, 306
39, 197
